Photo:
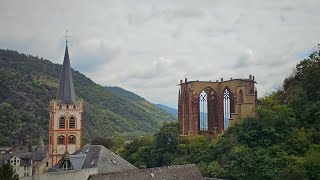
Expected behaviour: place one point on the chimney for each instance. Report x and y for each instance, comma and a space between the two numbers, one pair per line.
250, 76
185, 80
230, 78
180, 81
221, 79
217, 80
253, 78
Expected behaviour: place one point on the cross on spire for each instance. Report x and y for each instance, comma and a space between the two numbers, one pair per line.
66, 93
67, 36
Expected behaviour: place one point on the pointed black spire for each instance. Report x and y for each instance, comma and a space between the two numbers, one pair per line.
66, 94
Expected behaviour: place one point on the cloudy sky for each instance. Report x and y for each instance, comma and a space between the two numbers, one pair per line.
147, 46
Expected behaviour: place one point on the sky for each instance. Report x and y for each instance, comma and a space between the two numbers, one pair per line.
147, 46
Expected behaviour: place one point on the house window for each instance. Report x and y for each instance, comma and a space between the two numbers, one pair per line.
61, 140
72, 139
47, 164
62, 123
72, 123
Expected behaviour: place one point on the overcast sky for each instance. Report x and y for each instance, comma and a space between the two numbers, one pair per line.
148, 46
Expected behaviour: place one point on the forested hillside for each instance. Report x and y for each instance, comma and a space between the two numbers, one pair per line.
170, 110
282, 142
28, 83
133, 97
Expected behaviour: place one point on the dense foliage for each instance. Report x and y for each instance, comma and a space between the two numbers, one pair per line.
7, 172
282, 142
28, 83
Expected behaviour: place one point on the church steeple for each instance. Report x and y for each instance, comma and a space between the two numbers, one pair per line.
66, 93
65, 123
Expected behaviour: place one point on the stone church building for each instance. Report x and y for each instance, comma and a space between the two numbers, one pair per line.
209, 108
65, 127
65, 123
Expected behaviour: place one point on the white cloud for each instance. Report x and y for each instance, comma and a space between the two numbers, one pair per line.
148, 46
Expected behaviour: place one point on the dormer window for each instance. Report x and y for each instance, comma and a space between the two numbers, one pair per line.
62, 123
67, 165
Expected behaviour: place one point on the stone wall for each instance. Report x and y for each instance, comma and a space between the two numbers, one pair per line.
243, 101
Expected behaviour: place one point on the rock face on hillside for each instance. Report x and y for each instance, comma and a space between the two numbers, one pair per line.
28, 83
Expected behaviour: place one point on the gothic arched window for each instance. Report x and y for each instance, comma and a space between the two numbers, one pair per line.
62, 123
71, 139
203, 110
72, 123
61, 140
226, 108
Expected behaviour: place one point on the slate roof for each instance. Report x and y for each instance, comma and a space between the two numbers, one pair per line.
25, 158
38, 154
95, 156
66, 93
25, 162
176, 172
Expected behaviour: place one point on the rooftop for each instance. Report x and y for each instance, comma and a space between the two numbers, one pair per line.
94, 156
176, 172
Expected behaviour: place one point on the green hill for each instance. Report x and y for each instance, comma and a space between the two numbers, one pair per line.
168, 109
28, 83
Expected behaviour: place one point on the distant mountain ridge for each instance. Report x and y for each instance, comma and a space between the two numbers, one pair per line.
168, 109
28, 83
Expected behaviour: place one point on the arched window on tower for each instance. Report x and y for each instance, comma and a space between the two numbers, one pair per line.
203, 109
226, 108
61, 140
62, 123
72, 123
71, 139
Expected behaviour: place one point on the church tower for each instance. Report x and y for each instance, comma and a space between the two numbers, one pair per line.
65, 127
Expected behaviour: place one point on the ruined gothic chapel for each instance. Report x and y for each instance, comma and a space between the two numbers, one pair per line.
209, 108
65, 126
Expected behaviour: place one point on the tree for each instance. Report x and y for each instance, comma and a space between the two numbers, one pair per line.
106, 142
7, 172
312, 163
9, 123
168, 137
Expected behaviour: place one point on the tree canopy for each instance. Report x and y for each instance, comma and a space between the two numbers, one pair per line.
282, 142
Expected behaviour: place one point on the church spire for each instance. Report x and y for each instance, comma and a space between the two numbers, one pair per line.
66, 94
